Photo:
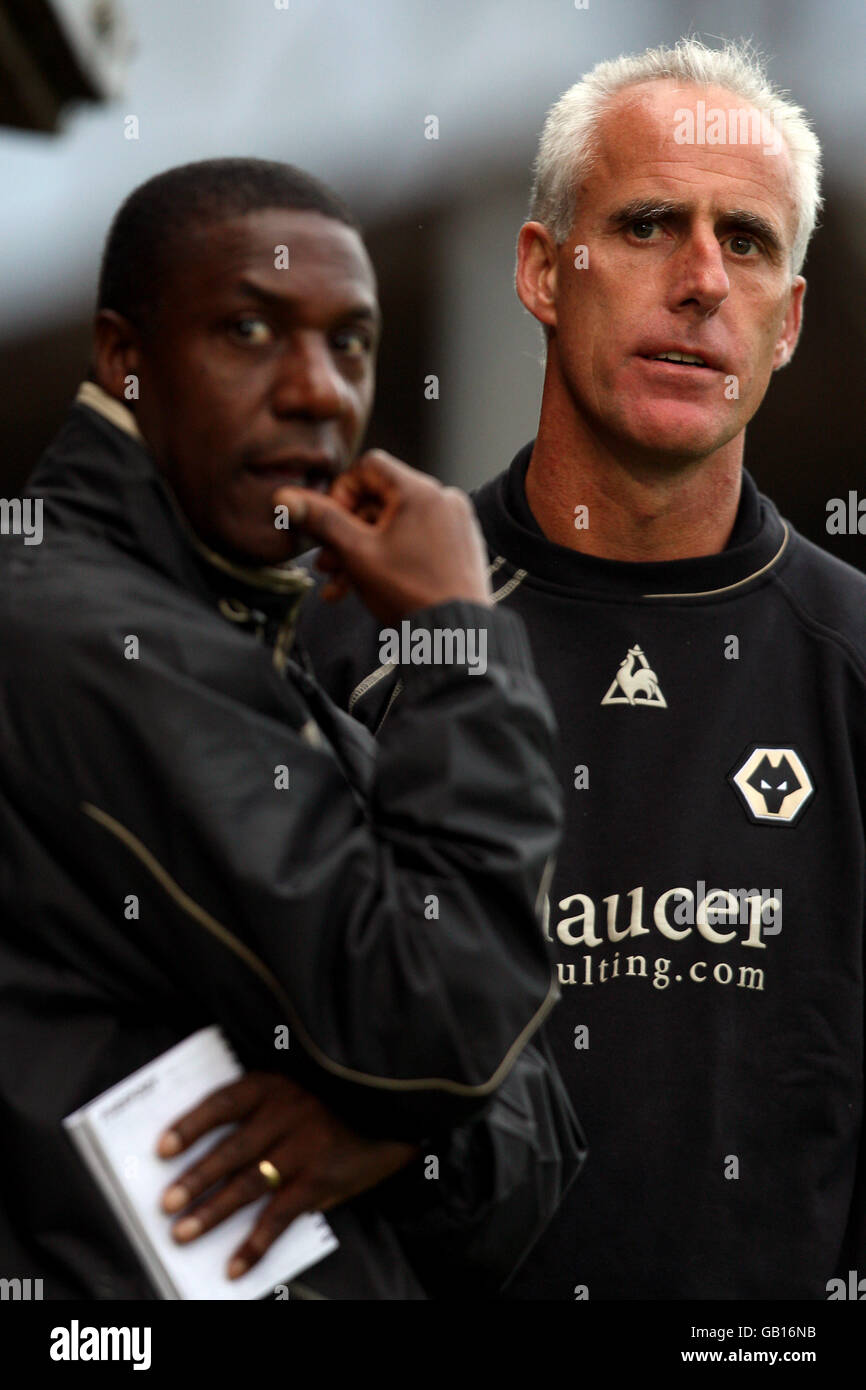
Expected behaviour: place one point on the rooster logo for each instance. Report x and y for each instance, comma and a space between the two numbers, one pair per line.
635, 683
774, 784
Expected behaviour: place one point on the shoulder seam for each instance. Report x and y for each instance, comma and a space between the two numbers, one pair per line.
820, 629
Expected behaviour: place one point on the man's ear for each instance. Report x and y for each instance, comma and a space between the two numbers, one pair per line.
116, 353
789, 337
535, 278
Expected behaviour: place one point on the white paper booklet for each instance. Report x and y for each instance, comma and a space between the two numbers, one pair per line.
116, 1135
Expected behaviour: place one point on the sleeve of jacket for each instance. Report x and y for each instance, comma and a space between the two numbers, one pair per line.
392, 927
473, 1205
341, 643
479, 1197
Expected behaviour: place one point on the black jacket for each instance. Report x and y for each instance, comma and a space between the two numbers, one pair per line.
157, 875
716, 1060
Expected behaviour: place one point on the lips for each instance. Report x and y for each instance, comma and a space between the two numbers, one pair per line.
315, 472
672, 355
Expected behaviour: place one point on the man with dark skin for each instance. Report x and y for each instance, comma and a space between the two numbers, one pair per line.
211, 386
216, 385
251, 386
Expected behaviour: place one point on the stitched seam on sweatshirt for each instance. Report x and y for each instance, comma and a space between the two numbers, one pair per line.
604, 596
368, 682
517, 578
394, 693
738, 584
385, 670
820, 629
500, 594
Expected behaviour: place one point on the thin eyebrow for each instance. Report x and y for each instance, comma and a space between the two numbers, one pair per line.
735, 219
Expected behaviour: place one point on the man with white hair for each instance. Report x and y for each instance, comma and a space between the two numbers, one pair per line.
707, 668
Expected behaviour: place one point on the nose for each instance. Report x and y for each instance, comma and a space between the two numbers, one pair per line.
308, 381
700, 279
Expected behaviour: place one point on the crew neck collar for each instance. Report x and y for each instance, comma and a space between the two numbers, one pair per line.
758, 540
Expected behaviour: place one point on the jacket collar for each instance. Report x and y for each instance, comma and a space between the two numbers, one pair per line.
95, 398
98, 477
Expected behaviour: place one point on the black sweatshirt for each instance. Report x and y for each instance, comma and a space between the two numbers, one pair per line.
706, 914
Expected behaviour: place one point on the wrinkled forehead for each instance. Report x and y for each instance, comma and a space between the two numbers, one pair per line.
698, 141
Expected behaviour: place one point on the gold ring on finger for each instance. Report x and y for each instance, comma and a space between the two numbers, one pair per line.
271, 1174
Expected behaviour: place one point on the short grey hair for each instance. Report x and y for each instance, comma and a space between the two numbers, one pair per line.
569, 140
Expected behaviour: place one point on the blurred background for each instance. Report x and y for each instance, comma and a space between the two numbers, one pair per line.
347, 91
